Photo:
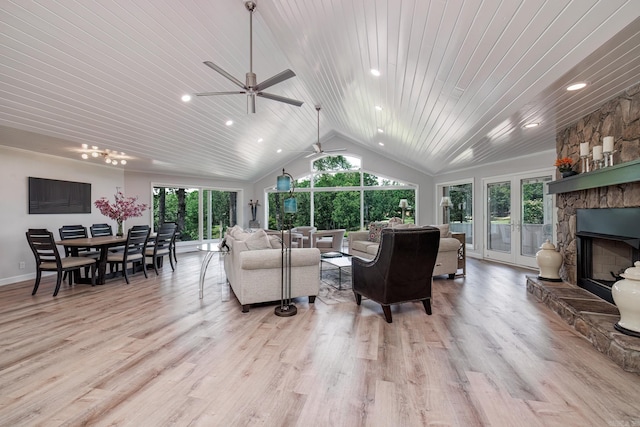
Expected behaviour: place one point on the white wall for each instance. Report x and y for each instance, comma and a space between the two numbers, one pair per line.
15, 168
371, 162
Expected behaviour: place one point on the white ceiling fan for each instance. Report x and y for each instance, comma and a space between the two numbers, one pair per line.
317, 147
251, 87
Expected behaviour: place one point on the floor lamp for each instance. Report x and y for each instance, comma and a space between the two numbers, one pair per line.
284, 183
445, 202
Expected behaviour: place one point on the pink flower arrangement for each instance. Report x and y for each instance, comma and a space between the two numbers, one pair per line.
123, 208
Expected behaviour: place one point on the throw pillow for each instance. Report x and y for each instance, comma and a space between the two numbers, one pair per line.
258, 240
375, 230
275, 242
444, 230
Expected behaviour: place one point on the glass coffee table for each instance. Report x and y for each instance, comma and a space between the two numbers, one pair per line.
341, 261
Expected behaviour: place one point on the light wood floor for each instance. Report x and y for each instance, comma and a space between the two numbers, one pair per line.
153, 354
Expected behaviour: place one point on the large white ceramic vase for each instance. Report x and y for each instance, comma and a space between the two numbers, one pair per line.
626, 295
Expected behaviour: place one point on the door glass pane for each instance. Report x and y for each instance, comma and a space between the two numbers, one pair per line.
499, 217
536, 215
460, 213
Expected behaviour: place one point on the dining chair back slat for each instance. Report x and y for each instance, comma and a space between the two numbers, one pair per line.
98, 230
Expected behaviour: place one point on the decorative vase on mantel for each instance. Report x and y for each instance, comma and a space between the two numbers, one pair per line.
626, 295
119, 233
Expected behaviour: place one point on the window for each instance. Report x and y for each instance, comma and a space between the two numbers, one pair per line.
338, 194
193, 210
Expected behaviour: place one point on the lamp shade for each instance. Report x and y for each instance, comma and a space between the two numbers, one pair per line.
445, 202
403, 203
290, 205
283, 183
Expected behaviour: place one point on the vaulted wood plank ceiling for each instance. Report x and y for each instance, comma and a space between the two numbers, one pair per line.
459, 79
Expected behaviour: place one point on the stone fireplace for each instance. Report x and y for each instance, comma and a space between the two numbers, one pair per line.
612, 187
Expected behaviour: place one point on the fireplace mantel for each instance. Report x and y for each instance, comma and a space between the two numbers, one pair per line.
612, 175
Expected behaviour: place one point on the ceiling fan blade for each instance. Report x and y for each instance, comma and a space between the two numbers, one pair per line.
335, 150
310, 155
219, 93
280, 77
224, 73
280, 98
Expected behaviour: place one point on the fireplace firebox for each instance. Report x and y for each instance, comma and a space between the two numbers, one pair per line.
608, 241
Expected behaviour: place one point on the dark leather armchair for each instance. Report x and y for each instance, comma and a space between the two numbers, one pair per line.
401, 271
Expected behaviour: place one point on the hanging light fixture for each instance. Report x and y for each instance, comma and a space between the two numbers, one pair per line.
111, 157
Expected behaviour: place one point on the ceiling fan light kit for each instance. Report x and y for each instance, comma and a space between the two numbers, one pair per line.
251, 87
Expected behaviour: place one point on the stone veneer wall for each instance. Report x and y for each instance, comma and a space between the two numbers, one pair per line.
620, 118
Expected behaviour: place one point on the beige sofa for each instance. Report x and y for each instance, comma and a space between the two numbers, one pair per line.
253, 268
363, 244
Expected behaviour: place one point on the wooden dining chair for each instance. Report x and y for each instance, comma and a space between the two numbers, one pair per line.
133, 251
76, 232
48, 258
162, 246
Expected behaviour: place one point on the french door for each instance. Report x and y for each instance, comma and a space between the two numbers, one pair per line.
518, 217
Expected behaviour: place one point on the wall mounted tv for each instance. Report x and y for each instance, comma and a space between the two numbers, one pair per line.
51, 196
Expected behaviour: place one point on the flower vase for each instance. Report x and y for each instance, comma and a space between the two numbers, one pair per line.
119, 233
566, 174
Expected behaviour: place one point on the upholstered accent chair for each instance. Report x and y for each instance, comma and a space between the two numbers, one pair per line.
306, 234
401, 271
328, 240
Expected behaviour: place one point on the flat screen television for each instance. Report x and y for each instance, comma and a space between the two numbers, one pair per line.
52, 196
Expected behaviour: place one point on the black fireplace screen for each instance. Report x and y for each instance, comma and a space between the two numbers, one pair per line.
613, 225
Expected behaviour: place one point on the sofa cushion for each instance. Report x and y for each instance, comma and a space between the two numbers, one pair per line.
275, 242
362, 245
258, 240
238, 233
375, 230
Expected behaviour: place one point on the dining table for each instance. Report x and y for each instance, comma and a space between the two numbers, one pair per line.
103, 243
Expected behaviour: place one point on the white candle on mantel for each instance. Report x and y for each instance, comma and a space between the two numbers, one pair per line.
597, 152
608, 144
584, 149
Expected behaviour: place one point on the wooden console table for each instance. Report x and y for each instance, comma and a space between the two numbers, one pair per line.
462, 252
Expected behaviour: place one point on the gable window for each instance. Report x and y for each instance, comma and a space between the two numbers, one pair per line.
338, 194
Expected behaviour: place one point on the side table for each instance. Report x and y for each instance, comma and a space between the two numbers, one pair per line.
462, 252
210, 249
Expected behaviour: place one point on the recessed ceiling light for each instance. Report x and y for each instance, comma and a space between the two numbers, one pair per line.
531, 125
228, 122
379, 108
381, 144
380, 130
123, 162
279, 150
260, 139
85, 156
375, 72
85, 146
577, 86
186, 98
